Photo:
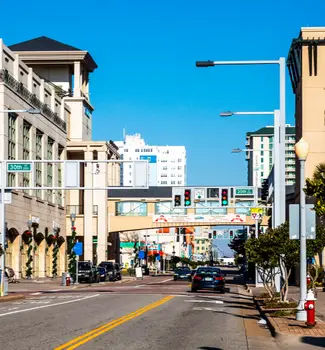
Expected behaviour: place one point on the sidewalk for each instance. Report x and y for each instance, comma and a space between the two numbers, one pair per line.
287, 326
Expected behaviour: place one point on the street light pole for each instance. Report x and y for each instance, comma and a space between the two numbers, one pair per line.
279, 127
301, 149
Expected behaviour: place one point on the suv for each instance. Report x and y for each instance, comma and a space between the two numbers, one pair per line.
110, 269
87, 272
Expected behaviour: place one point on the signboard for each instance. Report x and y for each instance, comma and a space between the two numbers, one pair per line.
257, 211
19, 167
244, 191
77, 248
142, 254
8, 197
294, 224
150, 159
226, 218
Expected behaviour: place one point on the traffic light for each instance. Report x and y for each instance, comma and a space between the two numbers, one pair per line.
214, 234
210, 235
177, 200
265, 190
224, 197
187, 198
231, 234
177, 234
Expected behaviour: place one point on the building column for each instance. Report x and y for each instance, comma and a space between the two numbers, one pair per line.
88, 209
77, 79
101, 202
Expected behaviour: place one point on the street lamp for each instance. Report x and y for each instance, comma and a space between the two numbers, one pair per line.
301, 149
279, 162
280, 127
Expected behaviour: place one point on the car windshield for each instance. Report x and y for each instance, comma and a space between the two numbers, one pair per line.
84, 266
209, 271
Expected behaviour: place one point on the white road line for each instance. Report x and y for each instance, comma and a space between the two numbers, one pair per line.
55, 290
45, 306
206, 309
204, 301
37, 293
169, 279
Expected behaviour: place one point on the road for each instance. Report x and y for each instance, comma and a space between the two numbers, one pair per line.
154, 313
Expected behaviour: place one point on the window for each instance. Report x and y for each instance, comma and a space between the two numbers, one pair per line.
262, 160
38, 166
11, 144
179, 168
49, 168
172, 182
262, 138
163, 175
262, 146
137, 150
26, 152
59, 173
179, 160
131, 209
164, 182
262, 173
262, 153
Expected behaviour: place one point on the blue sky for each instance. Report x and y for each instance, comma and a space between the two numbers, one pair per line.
147, 82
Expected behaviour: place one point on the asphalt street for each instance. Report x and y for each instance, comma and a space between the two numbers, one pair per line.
154, 313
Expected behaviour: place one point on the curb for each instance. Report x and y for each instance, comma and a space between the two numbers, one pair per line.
11, 297
269, 322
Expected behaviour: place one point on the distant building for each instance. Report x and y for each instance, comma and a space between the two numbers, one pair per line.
260, 161
167, 164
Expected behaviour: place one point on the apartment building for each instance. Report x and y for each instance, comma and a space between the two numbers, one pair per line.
167, 164
35, 219
260, 159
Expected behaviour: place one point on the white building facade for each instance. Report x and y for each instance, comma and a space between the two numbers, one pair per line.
260, 160
167, 164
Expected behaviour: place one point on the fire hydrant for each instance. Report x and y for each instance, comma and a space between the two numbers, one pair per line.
308, 281
310, 308
68, 281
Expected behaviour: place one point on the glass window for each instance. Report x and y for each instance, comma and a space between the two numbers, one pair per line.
12, 117
209, 208
38, 166
131, 209
26, 151
50, 143
166, 208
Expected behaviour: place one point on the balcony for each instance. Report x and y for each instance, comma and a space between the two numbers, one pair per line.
24, 93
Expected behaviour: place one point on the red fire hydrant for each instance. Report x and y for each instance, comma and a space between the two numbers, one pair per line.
310, 308
308, 281
68, 281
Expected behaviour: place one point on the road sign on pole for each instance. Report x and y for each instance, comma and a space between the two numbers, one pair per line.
77, 248
19, 167
294, 230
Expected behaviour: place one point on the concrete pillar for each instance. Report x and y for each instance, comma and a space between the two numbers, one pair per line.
101, 201
16, 67
88, 210
76, 89
41, 91
52, 99
30, 79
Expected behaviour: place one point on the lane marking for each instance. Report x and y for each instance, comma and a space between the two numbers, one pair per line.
206, 309
204, 301
44, 306
169, 279
84, 338
37, 293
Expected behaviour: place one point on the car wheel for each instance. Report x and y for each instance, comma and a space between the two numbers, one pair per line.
193, 290
90, 280
223, 291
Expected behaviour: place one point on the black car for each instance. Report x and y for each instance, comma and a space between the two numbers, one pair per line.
208, 278
102, 273
87, 272
112, 273
182, 273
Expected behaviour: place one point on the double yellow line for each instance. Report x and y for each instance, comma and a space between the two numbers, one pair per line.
82, 339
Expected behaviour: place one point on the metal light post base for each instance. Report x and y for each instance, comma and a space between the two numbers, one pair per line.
301, 314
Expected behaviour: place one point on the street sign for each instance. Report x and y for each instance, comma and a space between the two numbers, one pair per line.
257, 211
199, 193
244, 191
256, 216
8, 197
19, 167
294, 215
158, 257
77, 248
141, 254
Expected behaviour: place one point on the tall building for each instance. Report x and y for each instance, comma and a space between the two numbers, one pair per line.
260, 160
305, 62
167, 164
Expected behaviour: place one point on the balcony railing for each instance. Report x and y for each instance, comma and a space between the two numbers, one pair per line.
18, 87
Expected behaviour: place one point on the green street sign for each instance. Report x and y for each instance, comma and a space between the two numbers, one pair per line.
244, 191
19, 167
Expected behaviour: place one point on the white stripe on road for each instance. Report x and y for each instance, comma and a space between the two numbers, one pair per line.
38, 293
169, 279
44, 306
206, 309
204, 301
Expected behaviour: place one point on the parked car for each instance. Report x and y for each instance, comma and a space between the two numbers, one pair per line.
110, 270
208, 278
87, 272
182, 273
102, 273
118, 273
